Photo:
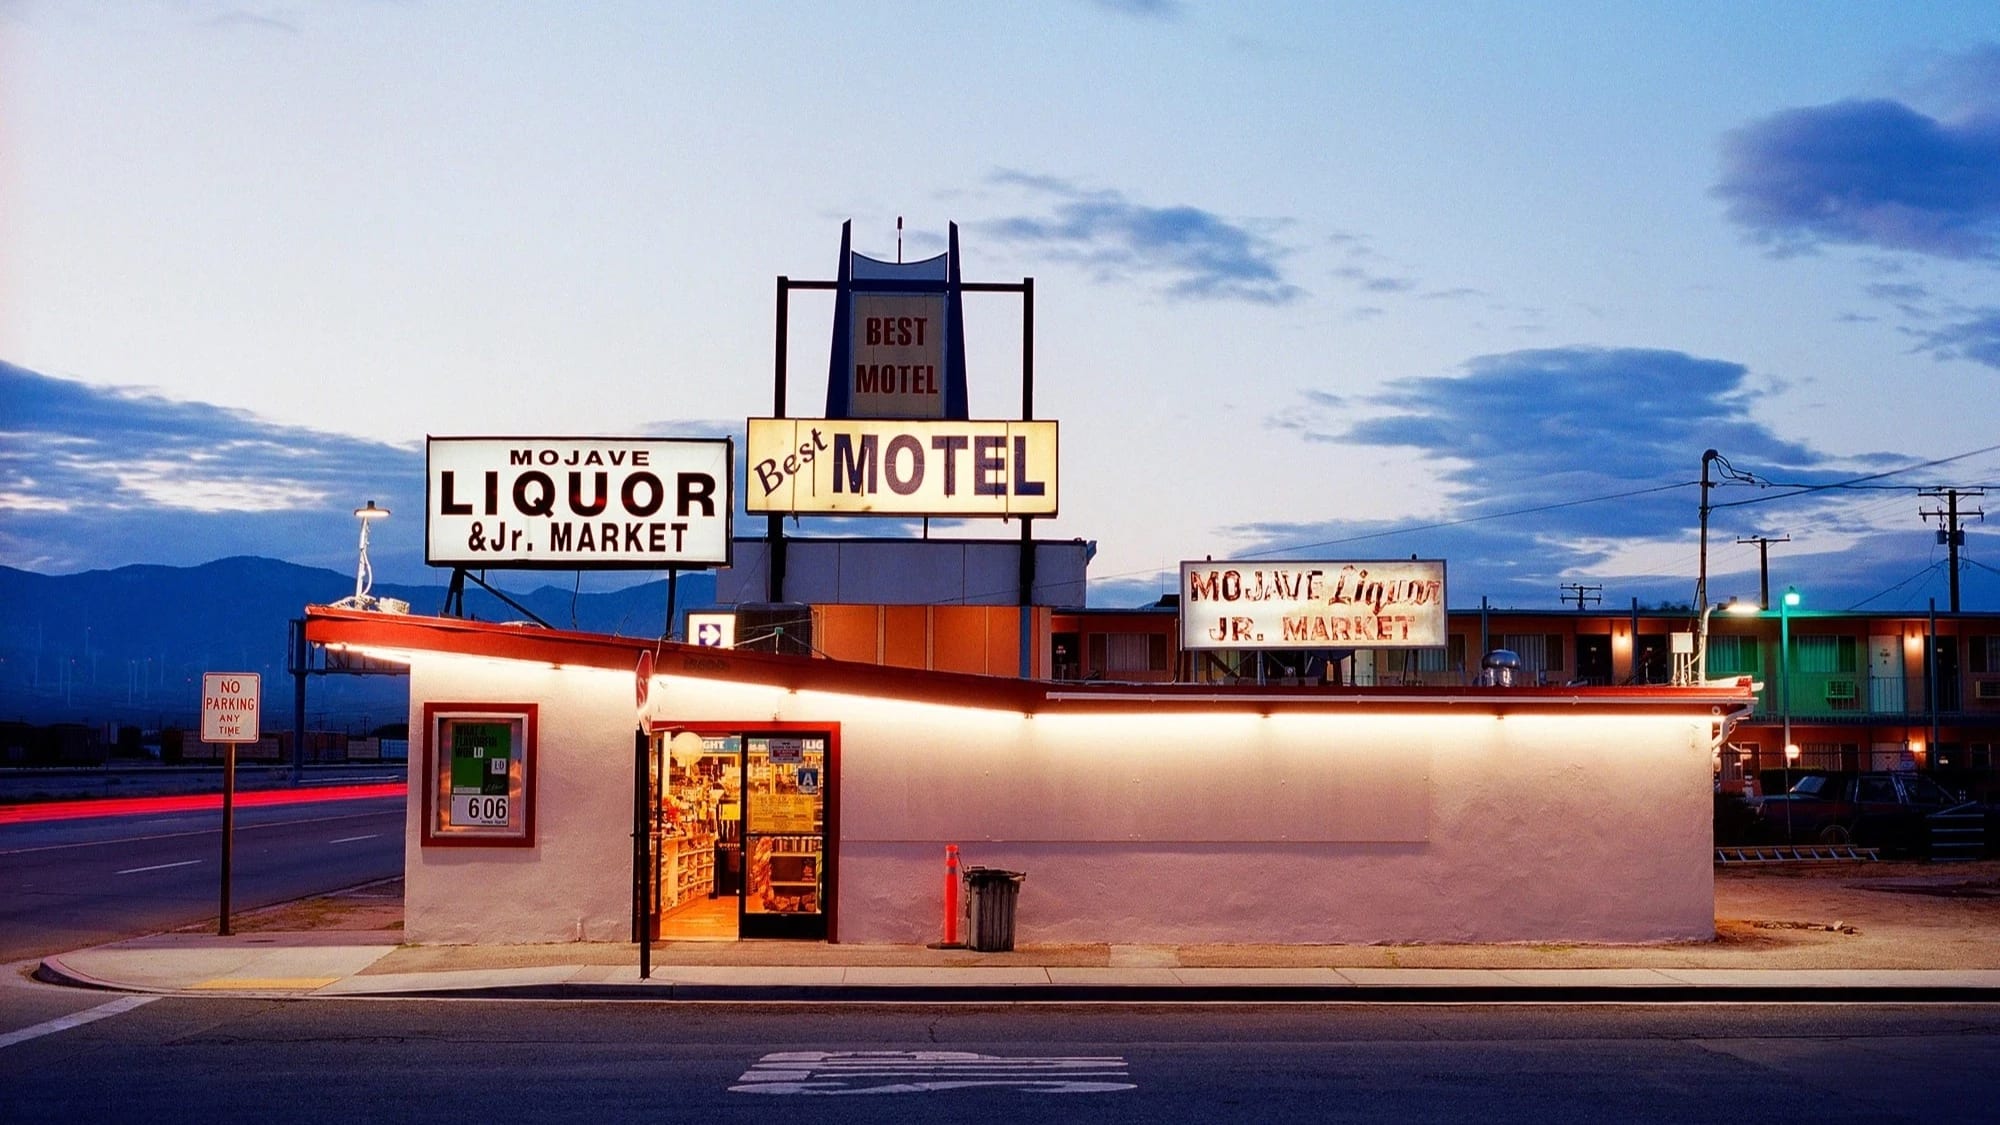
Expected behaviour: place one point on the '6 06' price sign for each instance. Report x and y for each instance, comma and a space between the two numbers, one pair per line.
481, 773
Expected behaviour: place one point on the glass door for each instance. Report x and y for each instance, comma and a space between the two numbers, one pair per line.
784, 836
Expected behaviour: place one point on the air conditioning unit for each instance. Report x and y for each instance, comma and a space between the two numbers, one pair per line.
1986, 689
1840, 689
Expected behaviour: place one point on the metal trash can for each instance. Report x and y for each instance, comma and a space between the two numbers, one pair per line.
989, 901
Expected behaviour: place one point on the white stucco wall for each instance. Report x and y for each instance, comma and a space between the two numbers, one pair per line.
575, 883
1346, 826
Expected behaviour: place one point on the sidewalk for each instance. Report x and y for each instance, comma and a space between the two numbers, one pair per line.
1882, 932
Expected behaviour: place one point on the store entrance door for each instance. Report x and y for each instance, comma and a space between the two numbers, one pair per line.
784, 837
739, 834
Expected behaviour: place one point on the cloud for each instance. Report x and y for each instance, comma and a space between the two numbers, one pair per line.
1375, 283
1868, 173
1977, 339
92, 477
1150, 9
99, 477
1901, 292
1963, 83
1580, 462
1360, 270
1525, 417
1191, 253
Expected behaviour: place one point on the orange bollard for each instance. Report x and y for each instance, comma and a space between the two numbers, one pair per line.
951, 876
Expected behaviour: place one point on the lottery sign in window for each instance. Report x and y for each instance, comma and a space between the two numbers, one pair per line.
479, 774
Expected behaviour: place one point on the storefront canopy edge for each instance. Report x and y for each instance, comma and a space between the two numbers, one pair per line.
417, 634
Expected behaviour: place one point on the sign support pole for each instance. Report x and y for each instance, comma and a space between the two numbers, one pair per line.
228, 827
231, 705
301, 664
642, 846
1028, 651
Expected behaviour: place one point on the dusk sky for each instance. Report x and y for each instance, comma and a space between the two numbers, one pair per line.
1469, 281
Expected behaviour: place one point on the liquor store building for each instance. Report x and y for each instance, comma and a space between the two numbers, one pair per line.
800, 797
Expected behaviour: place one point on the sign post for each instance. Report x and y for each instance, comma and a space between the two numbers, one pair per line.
230, 703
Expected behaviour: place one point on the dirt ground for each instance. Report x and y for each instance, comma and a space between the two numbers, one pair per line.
1806, 916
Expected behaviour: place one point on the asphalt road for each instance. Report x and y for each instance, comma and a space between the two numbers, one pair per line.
67, 884
207, 1060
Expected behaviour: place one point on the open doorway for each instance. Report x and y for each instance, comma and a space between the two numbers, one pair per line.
740, 833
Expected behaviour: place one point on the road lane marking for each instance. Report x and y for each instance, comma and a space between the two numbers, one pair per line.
351, 839
157, 867
78, 1019
923, 1072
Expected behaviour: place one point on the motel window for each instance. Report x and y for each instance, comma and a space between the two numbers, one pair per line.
1983, 654
479, 774
1733, 656
1540, 653
1424, 662
1823, 655
1113, 653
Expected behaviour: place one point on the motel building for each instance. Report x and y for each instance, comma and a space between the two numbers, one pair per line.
1259, 761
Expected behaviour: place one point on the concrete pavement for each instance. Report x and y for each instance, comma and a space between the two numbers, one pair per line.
1876, 932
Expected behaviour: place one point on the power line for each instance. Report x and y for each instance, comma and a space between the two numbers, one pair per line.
1859, 484
1928, 568
1460, 523
1854, 483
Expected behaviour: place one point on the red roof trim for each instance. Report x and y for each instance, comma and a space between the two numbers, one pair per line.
325, 625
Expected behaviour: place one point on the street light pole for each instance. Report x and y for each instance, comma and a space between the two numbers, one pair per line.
1785, 604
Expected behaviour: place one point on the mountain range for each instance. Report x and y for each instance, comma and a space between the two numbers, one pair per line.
130, 645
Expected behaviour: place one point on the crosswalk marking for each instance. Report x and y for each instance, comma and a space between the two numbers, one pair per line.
76, 1019
917, 1072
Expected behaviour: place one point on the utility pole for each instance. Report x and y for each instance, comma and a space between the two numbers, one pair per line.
1949, 533
1577, 592
1682, 675
1764, 564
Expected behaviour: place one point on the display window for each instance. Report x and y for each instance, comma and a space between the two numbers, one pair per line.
479, 774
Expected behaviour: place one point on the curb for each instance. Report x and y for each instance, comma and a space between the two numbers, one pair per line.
1214, 994
52, 970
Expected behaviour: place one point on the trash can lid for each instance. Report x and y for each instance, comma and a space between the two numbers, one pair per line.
994, 874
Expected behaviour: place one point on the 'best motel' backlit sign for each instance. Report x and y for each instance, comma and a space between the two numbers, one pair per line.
902, 468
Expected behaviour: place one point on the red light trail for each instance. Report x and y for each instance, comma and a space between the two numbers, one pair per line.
193, 802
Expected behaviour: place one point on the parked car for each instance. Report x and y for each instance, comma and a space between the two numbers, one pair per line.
1900, 813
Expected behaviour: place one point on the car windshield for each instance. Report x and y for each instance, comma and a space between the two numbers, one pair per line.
1924, 791
1815, 786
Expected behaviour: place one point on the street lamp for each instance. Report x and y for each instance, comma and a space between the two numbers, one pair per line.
1736, 607
364, 574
